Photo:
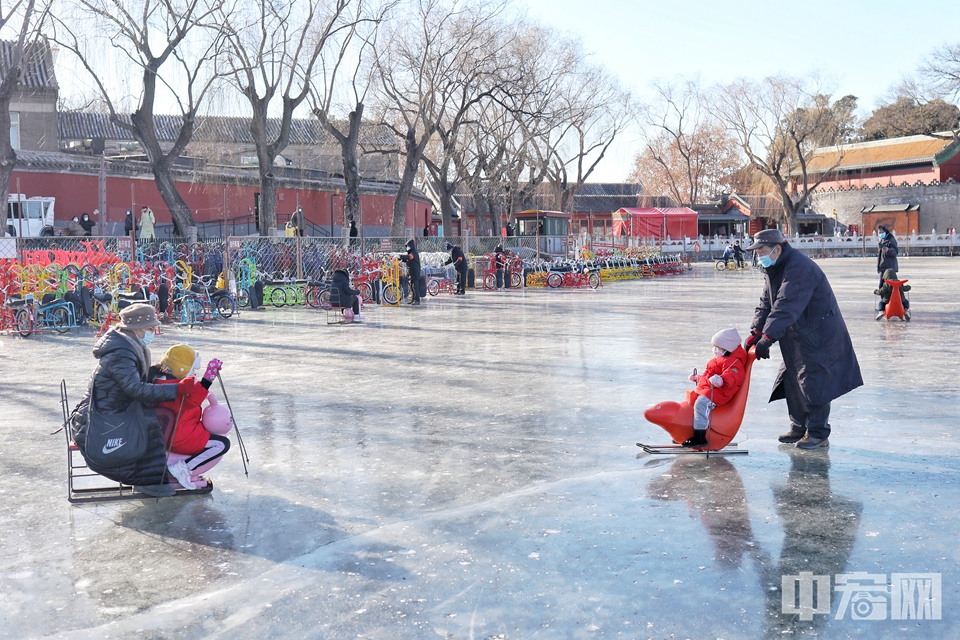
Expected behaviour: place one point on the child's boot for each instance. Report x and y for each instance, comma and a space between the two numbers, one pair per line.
699, 438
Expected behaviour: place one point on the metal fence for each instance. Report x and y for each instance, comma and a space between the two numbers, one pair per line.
311, 256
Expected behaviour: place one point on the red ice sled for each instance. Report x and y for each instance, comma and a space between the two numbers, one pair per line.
894, 308
676, 418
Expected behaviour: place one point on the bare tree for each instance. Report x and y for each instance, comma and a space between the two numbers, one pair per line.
354, 53
273, 48
592, 110
687, 153
428, 68
29, 49
779, 123
148, 34
940, 77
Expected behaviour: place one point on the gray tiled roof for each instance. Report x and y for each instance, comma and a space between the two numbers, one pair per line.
80, 126
38, 67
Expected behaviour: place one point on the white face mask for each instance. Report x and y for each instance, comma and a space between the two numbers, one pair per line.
147, 338
717, 351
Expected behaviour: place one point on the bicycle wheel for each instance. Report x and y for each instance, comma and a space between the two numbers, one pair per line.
391, 294
226, 306
23, 322
515, 280
720, 265
433, 287
243, 298
58, 319
100, 312
366, 291
594, 280
489, 281
278, 297
554, 280
323, 298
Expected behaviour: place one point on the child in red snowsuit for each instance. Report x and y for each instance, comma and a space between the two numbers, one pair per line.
192, 446
721, 379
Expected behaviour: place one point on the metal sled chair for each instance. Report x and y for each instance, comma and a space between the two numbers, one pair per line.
85, 485
676, 418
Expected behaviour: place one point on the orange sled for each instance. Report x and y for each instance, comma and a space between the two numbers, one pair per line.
894, 308
676, 418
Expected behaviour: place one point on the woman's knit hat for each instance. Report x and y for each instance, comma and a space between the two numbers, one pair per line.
179, 359
138, 317
728, 339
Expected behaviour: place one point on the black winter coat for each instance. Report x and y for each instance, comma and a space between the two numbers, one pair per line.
412, 258
341, 284
120, 378
887, 257
799, 310
458, 259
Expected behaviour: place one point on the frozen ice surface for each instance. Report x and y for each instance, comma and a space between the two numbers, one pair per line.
467, 469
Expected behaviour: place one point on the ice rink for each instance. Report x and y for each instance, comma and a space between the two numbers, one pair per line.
468, 469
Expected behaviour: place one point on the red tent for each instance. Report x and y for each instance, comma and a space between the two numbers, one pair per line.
675, 222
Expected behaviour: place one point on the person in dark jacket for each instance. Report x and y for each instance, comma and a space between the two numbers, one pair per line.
460, 264
412, 258
119, 379
87, 225
798, 310
501, 263
130, 224
887, 255
343, 295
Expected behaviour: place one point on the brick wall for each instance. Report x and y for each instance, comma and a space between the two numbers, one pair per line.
939, 203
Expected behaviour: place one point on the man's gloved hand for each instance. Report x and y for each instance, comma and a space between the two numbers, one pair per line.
716, 381
185, 386
876, 292
763, 348
213, 368
751, 340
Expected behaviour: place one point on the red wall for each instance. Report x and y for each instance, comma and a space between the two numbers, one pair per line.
77, 194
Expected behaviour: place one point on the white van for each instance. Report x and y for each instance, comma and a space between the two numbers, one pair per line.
29, 217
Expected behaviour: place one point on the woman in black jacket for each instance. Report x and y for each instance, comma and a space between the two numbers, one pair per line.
121, 378
342, 295
87, 225
887, 256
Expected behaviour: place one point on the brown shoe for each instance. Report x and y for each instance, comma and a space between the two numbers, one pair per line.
791, 437
813, 443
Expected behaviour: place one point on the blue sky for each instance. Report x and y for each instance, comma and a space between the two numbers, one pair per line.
863, 47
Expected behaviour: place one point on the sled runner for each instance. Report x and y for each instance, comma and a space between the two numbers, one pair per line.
676, 418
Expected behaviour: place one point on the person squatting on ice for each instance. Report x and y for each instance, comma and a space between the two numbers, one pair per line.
886, 291
798, 310
120, 379
719, 382
194, 449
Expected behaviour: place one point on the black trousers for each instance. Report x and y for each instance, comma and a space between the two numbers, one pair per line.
805, 418
461, 280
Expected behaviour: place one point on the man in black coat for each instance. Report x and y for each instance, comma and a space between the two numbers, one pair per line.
412, 258
798, 310
460, 264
